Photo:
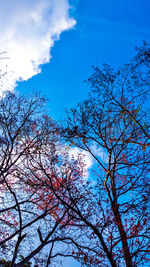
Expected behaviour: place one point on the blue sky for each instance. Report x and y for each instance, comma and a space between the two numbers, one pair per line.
105, 31
64, 42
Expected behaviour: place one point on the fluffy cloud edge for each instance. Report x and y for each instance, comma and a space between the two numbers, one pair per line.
28, 34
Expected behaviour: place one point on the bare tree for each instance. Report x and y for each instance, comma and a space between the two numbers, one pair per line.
113, 126
27, 223
46, 201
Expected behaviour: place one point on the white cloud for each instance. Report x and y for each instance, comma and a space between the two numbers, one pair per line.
100, 152
87, 158
28, 31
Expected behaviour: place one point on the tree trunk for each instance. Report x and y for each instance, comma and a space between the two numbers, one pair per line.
125, 247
